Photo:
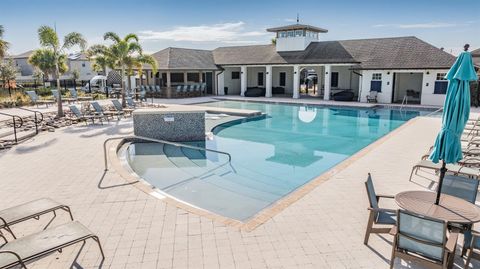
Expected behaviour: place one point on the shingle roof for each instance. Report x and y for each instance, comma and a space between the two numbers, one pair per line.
297, 27
317, 52
397, 53
379, 53
184, 59
23, 55
476, 52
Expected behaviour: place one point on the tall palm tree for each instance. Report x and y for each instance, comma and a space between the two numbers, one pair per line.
124, 52
4, 45
98, 55
43, 60
137, 63
49, 39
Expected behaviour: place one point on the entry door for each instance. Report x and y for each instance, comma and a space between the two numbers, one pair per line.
209, 81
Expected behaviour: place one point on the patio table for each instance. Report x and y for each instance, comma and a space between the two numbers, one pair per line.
450, 209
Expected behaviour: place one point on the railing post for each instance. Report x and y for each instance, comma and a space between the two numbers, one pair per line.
36, 124
15, 130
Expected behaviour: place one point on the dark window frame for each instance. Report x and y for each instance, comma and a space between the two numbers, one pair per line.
282, 77
440, 87
260, 80
235, 74
334, 76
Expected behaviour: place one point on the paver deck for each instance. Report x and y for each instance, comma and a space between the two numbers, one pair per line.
323, 229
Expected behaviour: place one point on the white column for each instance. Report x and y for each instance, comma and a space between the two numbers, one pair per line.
328, 71
296, 81
243, 80
268, 82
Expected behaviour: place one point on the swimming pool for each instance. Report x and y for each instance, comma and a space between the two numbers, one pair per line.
271, 156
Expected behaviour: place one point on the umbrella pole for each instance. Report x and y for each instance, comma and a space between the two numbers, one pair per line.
443, 170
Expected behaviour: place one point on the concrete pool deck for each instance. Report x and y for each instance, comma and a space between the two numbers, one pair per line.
322, 229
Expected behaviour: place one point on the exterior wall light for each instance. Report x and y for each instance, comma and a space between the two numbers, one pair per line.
427, 84
428, 72
388, 73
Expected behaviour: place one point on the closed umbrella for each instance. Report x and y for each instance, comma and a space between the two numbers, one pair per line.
456, 111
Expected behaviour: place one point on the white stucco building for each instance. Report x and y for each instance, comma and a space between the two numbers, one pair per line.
392, 67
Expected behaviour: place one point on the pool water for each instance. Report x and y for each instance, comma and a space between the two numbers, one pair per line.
271, 156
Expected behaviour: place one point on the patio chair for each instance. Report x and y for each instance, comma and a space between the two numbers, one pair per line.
74, 95
471, 251
29, 210
423, 240
55, 97
466, 189
454, 168
105, 113
185, 90
380, 216
32, 247
119, 108
78, 116
372, 97
36, 100
130, 103
203, 88
178, 90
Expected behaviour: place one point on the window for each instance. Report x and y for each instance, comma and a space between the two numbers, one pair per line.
283, 79
195, 77
235, 75
290, 33
334, 79
377, 76
176, 77
282, 34
299, 33
83, 64
260, 79
441, 84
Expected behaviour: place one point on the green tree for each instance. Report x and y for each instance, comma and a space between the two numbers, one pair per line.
38, 75
8, 72
98, 55
137, 63
4, 45
49, 40
44, 60
124, 53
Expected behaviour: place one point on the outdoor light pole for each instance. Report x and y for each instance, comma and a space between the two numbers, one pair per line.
443, 170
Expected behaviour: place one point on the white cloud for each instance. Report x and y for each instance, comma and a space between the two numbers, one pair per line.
290, 20
231, 32
428, 25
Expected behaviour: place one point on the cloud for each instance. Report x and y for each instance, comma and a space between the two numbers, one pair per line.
428, 25
231, 32
290, 20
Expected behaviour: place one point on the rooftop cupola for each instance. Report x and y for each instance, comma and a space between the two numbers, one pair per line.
295, 37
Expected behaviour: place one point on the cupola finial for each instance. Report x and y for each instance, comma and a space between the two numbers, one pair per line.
298, 18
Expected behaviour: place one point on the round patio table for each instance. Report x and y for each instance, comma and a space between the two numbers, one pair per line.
450, 209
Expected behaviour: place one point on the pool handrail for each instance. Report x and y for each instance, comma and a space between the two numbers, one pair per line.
156, 141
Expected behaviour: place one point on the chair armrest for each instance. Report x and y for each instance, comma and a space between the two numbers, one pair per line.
382, 210
451, 242
475, 233
385, 196
393, 231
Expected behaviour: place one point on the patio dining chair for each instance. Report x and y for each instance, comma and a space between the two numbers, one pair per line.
372, 97
29, 210
473, 249
423, 240
378, 216
185, 90
178, 90
38, 245
36, 100
203, 87
466, 189
55, 94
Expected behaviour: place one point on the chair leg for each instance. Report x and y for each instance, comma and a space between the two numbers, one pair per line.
99, 246
411, 173
369, 227
394, 246
469, 257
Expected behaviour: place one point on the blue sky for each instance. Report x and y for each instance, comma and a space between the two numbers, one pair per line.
209, 23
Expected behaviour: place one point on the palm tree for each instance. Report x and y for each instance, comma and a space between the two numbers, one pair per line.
137, 62
49, 40
3, 44
122, 54
43, 60
8, 72
75, 77
98, 55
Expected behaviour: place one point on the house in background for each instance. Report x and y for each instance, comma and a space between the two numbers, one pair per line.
476, 57
395, 68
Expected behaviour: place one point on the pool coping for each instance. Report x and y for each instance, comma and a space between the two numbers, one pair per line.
265, 214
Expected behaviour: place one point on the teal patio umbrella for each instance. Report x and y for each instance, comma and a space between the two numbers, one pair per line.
456, 110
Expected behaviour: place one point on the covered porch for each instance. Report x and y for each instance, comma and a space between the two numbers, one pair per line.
323, 81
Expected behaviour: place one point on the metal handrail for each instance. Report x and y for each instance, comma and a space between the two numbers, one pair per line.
14, 124
36, 121
157, 141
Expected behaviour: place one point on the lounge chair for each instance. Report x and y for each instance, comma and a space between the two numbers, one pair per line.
466, 189
178, 91
30, 210
55, 97
99, 111
78, 116
74, 95
203, 88
381, 216
32, 247
36, 100
120, 109
423, 240
372, 97
454, 168
130, 103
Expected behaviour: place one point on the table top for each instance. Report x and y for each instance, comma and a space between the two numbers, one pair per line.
450, 209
